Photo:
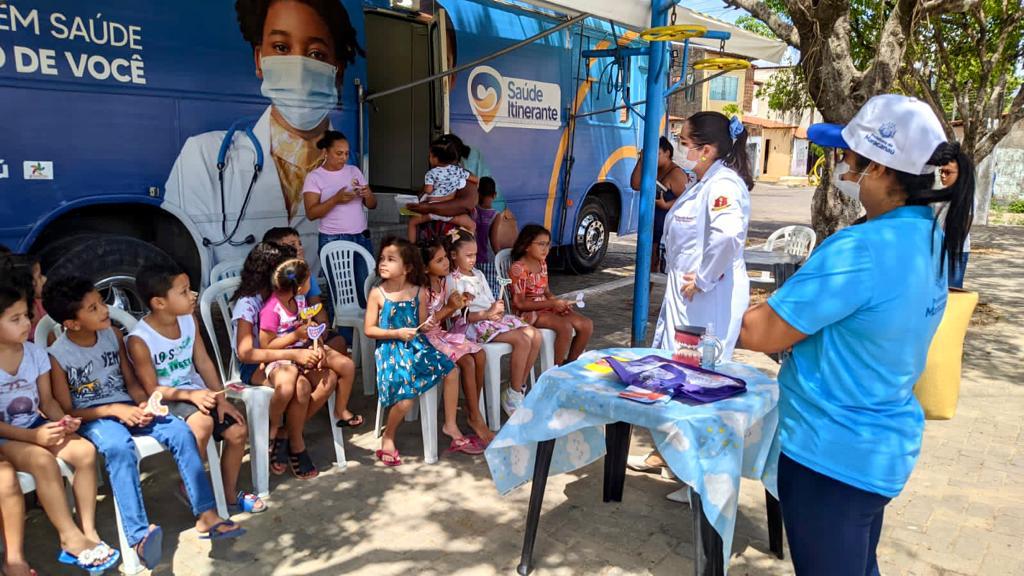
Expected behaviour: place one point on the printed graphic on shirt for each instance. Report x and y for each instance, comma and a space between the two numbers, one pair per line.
85, 387
175, 362
23, 403
721, 203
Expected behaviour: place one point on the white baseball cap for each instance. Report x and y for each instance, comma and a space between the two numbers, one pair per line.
896, 131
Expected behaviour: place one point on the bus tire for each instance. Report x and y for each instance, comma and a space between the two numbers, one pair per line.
589, 236
111, 262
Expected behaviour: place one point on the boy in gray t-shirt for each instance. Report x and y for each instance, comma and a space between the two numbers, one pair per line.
89, 382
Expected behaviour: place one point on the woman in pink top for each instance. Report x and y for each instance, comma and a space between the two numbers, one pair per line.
335, 194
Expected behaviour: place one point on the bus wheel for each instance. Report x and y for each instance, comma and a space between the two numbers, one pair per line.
110, 261
589, 237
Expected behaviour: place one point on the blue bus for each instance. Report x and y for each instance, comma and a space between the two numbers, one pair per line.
135, 130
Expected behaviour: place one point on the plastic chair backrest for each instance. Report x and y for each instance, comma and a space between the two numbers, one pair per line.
337, 260
226, 269
796, 240
125, 319
502, 262
44, 328
218, 295
48, 326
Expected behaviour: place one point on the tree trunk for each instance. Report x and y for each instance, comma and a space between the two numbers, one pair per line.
831, 211
983, 189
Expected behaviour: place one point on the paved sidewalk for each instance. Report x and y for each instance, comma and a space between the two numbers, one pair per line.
962, 512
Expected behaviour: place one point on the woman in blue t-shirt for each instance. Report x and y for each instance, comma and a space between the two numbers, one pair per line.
859, 316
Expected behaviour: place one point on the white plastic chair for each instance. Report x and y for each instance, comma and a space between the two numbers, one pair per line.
256, 398
795, 240
502, 262
337, 260
226, 269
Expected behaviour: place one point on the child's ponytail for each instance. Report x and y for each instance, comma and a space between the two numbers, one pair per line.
290, 275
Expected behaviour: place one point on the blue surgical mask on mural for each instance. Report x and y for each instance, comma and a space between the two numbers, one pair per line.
302, 89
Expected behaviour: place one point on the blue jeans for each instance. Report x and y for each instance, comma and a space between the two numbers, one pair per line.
832, 527
114, 441
360, 272
956, 271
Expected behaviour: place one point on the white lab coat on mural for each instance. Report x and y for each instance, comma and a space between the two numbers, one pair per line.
192, 189
705, 233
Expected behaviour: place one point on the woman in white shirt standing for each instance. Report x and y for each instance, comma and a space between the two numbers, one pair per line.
705, 233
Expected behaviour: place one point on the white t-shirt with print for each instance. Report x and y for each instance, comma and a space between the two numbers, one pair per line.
247, 308
19, 393
172, 358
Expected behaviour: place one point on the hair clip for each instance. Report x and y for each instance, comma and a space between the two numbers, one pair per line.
454, 233
290, 276
735, 127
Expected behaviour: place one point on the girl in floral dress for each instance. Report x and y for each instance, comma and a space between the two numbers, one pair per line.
485, 319
534, 302
407, 365
468, 355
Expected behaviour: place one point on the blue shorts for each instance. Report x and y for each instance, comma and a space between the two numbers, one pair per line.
39, 421
246, 372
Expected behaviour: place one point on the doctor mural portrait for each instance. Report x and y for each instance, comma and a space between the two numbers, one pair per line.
704, 234
237, 183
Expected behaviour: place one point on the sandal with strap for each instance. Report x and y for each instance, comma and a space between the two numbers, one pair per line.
96, 559
389, 458
466, 446
279, 456
302, 466
150, 548
246, 502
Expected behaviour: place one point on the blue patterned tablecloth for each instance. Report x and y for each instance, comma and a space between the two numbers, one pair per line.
707, 446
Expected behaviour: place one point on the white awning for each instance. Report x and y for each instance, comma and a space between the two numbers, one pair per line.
636, 15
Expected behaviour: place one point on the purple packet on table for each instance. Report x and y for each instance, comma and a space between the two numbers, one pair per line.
685, 383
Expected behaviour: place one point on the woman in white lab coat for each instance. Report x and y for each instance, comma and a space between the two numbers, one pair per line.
705, 233
300, 51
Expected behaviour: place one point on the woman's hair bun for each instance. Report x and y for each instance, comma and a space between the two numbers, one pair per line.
944, 154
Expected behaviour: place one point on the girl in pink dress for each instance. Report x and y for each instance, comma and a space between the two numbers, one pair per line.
468, 355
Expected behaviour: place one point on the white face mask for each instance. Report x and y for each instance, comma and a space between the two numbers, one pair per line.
302, 89
686, 163
847, 187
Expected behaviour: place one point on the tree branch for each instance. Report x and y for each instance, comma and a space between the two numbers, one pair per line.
988, 143
892, 43
760, 10
947, 6
934, 99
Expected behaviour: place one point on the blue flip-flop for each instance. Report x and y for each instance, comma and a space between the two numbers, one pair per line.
86, 560
150, 548
214, 534
246, 502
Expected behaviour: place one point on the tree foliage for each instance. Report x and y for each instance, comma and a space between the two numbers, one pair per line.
963, 55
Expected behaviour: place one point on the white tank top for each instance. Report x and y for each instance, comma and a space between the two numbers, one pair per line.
172, 358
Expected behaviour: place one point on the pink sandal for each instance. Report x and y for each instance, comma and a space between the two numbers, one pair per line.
389, 458
466, 445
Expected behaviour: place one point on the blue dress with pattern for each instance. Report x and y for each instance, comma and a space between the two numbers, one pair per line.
406, 369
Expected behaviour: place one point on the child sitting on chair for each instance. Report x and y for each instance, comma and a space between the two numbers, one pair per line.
90, 384
169, 355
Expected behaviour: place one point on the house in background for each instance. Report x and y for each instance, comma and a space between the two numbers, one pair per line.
777, 143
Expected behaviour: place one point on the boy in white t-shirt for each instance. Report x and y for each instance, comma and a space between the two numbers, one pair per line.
169, 355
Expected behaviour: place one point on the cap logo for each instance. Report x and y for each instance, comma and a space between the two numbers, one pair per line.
883, 139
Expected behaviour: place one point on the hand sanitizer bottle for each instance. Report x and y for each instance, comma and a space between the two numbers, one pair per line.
708, 348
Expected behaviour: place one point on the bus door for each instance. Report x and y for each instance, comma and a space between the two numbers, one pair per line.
401, 124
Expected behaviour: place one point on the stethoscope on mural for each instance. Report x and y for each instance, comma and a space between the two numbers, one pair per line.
222, 154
